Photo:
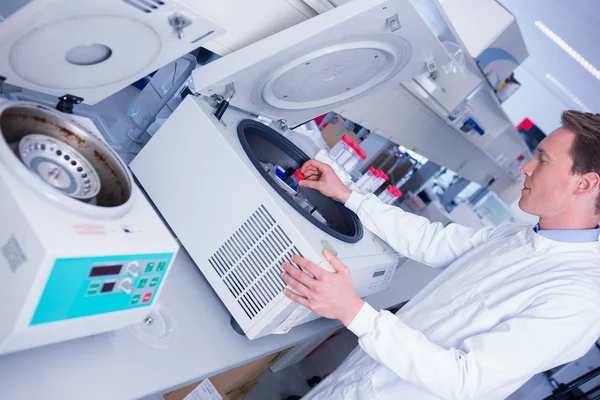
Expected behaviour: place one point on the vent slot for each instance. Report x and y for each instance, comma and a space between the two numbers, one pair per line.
146, 6
13, 254
249, 262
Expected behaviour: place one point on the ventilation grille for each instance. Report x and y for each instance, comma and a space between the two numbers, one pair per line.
249, 262
13, 254
146, 6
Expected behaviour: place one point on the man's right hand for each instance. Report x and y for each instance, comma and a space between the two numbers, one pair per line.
322, 177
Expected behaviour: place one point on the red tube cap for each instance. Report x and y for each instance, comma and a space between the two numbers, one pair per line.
394, 191
299, 175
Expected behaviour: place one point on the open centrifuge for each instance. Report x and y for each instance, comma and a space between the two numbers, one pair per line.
214, 168
82, 251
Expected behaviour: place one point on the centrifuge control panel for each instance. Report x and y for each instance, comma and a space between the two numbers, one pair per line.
80, 287
380, 278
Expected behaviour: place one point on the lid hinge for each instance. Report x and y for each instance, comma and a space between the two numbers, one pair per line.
6, 88
222, 104
66, 102
223, 101
431, 69
279, 124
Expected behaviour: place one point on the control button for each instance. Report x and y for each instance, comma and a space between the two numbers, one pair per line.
93, 289
135, 299
149, 267
154, 281
329, 247
142, 283
161, 266
147, 297
133, 269
379, 243
126, 285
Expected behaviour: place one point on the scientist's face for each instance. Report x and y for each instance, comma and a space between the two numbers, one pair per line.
548, 177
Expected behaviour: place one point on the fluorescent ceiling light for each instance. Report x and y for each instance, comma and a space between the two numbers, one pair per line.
568, 49
568, 93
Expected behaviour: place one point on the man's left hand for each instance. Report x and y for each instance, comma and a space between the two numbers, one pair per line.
331, 295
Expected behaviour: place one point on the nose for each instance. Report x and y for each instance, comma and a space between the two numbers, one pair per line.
527, 168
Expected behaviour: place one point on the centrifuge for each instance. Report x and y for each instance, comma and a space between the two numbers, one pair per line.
213, 168
82, 251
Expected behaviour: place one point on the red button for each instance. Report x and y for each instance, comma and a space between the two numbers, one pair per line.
147, 297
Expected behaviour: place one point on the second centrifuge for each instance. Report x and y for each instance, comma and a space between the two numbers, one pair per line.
212, 170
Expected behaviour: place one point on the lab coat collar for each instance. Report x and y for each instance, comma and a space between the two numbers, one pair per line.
569, 235
550, 246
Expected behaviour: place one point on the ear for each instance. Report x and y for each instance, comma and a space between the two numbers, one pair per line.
588, 183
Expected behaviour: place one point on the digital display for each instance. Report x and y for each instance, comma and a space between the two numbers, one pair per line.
379, 273
108, 287
105, 270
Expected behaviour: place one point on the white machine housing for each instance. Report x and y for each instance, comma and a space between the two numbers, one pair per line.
49, 247
234, 225
95, 48
70, 268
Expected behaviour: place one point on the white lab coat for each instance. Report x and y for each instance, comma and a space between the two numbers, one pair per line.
509, 304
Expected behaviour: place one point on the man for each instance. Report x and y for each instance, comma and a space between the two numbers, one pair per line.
512, 301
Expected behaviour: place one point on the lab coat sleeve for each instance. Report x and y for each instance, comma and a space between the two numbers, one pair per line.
414, 236
541, 337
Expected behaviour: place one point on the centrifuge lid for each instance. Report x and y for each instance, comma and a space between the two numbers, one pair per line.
94, 48
334, 58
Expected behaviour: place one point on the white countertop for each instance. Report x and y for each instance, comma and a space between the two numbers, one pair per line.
117, 365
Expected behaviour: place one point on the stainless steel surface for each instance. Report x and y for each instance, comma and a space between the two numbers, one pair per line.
60, 166
22, 119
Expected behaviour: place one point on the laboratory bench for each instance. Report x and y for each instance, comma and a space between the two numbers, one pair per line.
118, 365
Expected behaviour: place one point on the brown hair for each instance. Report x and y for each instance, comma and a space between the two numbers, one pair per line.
585, 151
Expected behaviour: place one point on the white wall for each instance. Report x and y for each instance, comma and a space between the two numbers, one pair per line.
533, 100
576, 23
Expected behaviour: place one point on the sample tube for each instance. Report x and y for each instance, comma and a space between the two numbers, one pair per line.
357, 156
367, 179
390, 195
342, 146
381, 179
295, 179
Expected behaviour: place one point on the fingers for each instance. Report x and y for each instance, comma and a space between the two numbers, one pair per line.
299, 275
314, 167
298, 299
318, 165
315, 270
310, 184
312, 178
312, 174
309, 167
335, 262
294, 284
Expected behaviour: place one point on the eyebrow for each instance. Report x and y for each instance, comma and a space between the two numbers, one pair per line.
543, 152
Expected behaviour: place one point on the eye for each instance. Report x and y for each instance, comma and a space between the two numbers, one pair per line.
541, 158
